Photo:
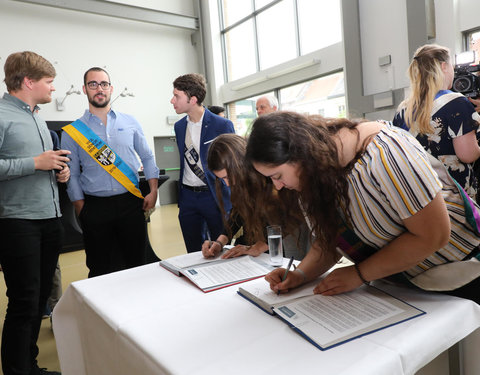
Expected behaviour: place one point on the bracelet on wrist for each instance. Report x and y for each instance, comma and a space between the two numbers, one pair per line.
360, 275
221, 245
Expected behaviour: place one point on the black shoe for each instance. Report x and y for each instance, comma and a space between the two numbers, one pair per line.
44, 371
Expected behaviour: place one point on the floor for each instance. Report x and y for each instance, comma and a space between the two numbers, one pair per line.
166, 239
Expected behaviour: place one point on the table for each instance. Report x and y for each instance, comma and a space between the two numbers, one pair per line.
148, 321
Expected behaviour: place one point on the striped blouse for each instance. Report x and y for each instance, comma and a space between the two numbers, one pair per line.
392, 181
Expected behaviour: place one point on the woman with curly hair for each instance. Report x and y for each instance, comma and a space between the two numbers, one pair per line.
226, 159
373, 182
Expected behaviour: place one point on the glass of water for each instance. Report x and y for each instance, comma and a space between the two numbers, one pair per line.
275, 248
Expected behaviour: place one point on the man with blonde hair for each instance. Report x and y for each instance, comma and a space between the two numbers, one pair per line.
30, 226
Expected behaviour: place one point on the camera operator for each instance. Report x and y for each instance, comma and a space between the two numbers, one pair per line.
444, 122
476, 103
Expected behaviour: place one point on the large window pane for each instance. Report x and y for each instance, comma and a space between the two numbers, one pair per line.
276, 34
261, 3
319, 23
243, 112
235, 10
474, 44
240, 51
324, 96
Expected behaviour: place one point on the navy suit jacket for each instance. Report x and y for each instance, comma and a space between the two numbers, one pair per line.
212, 126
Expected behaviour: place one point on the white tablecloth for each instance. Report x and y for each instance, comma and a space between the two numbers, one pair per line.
148, 321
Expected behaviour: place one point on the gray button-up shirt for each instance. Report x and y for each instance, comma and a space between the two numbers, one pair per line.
25, 193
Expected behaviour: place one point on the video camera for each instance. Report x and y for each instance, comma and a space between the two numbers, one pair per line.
465, 81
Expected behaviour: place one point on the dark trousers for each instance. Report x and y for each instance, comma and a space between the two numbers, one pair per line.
114, 233
28, 255
197, 210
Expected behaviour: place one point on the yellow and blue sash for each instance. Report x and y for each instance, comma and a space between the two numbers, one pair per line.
104, 156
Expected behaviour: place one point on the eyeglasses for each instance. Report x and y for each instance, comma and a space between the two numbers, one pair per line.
94, 85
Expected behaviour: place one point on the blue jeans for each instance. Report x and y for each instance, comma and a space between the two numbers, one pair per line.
28, 255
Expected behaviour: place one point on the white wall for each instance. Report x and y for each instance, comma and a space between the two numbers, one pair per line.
184, 7
383, 25
143, 57
447, 26
383, 30
468, 12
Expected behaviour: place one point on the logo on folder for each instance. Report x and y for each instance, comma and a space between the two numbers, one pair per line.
105, 155
286, 311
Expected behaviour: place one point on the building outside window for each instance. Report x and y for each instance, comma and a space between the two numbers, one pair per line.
472, 39
243, 112
324, 96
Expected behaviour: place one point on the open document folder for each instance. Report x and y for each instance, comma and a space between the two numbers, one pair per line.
328, 321
211, 274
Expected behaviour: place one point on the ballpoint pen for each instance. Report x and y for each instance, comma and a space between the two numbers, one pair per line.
286, 272
209, 240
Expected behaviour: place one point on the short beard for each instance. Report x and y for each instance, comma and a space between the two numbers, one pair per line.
98, 105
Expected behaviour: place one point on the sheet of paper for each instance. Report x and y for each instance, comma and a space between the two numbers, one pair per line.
191, 259
220, 273
261, 289
328, 319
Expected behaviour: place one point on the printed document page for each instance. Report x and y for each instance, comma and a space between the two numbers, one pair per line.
260, 289
328, 320
190, 259
230, 271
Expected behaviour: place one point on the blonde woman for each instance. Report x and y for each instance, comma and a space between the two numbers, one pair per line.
444, 122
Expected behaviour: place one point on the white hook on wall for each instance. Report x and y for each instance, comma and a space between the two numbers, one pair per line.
123, 94
72, 90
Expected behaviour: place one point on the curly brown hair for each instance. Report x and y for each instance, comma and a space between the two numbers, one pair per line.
309, 141
248, 188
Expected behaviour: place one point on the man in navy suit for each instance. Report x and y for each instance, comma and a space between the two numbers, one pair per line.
197, 200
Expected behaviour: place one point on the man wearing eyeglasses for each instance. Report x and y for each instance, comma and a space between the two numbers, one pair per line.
104, 179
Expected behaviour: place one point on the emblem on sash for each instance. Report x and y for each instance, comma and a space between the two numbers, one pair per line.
105, 155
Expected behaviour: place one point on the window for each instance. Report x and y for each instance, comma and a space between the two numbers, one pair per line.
319, 23
235, 10
473, 43
243, 112
260, 34
270, 37
240, 55
324, 96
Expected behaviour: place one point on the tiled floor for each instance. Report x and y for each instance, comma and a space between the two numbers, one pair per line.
166, 239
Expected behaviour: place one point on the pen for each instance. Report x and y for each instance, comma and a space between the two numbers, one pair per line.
286, 272
209, 239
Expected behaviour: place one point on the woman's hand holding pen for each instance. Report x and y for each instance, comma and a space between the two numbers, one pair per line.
211, 249
292, 280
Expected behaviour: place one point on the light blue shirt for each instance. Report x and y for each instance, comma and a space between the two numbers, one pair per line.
125, 137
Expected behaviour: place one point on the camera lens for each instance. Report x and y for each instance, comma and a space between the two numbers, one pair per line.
462, 84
